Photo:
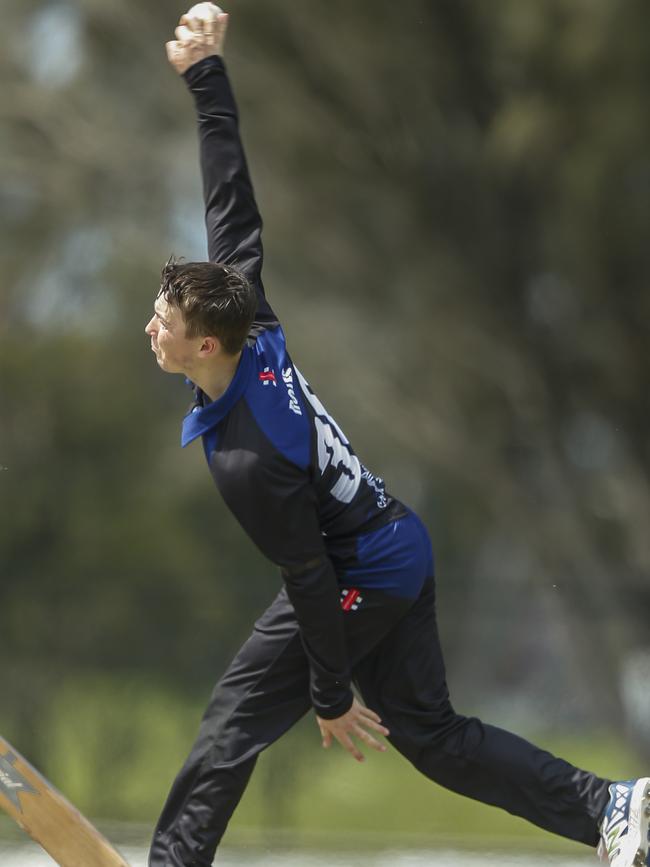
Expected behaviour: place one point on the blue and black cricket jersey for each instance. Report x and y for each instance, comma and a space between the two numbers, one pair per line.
281, 462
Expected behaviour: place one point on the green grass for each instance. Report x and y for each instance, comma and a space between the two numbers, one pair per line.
113, 748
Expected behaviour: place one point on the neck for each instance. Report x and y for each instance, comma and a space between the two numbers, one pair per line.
214, 381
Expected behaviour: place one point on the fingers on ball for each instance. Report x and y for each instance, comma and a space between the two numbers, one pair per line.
183, 33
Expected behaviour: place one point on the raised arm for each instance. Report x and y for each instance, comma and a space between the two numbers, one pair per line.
233, 221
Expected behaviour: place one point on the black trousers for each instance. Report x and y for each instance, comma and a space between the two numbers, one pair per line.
399, 671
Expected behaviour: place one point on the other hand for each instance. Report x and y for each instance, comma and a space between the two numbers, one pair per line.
201, 33
354, 723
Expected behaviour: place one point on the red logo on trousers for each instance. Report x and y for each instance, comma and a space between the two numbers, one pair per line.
350, 599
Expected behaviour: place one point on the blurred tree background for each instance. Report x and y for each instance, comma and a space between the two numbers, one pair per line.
457, 205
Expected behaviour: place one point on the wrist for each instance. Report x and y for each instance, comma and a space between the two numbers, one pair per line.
334, 710
203, 67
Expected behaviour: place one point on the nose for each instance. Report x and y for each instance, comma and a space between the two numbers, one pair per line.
150, 327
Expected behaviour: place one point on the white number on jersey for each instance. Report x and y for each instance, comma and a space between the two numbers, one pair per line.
333, 448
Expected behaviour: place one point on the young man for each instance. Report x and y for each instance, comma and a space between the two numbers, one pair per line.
358, 599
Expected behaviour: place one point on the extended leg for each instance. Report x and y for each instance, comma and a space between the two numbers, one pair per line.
263, 693
403, 679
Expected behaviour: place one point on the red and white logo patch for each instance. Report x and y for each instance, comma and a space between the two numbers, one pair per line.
268, 377
351, 599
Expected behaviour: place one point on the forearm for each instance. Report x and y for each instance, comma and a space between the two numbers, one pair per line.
277, 505
314, 594
233, 221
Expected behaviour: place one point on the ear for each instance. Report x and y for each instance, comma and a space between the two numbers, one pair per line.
210, 347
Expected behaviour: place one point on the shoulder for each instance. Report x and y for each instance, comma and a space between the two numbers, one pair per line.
275, 402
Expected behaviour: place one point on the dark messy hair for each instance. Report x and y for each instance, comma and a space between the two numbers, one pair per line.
214, 300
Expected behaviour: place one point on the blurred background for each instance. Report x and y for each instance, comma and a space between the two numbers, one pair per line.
457, 205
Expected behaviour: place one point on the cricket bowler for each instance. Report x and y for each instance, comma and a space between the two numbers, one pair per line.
357, 603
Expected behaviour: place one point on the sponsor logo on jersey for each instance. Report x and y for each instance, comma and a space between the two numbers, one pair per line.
268, 377
287, 376
351, 599
377, 485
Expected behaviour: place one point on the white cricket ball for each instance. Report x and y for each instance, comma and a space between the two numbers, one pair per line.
201, 9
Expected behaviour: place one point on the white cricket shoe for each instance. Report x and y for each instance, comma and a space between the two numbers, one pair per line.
624, 829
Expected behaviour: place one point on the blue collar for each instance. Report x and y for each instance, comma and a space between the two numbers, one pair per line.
201, 419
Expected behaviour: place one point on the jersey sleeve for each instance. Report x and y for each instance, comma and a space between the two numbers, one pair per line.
233, 222
276, 506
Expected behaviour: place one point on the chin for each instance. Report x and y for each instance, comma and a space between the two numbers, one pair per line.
167, 366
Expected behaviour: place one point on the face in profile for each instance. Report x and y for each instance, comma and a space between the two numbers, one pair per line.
174, 351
